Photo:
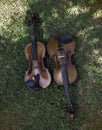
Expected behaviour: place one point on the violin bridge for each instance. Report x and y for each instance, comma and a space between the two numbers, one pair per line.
61, 59
61, 56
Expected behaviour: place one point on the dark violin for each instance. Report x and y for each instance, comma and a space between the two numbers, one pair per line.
61, 49
37, 76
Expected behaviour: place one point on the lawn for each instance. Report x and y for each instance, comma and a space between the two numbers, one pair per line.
22, 108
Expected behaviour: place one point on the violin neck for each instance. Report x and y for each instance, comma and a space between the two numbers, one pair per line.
66, 82
66, 87
34, 44
64, 72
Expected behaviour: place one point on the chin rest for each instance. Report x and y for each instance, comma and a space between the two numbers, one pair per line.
34, 84
64, 38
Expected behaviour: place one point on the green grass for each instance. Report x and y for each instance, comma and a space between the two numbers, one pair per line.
24, 109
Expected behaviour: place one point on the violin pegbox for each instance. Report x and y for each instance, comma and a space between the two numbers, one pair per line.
32, 18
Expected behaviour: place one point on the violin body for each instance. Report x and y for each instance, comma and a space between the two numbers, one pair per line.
72, 74
69, 50
37, 66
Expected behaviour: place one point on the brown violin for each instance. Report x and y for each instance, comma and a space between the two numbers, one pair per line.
37, 76
69, 50
61, 49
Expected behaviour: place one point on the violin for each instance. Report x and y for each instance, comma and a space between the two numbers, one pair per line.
69, 49
60, 49
37, 76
